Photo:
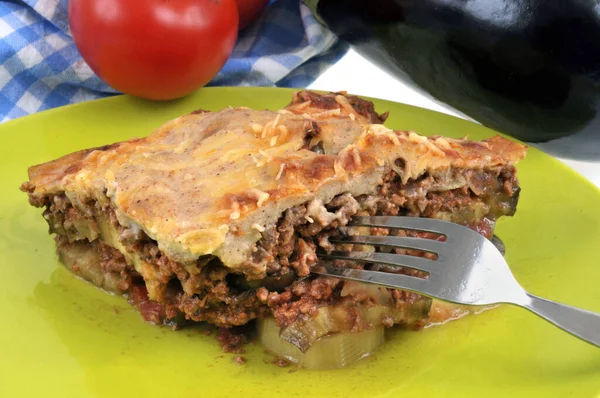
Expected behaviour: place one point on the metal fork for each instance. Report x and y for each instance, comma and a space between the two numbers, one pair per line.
468, 270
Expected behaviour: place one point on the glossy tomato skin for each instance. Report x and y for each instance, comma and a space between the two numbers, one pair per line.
250, 10
155, 49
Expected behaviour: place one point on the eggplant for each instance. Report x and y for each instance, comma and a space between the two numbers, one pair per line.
331, 351
527, 68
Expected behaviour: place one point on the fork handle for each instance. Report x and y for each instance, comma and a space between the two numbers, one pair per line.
580, 323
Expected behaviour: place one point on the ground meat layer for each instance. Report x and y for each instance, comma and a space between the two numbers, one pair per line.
208, 291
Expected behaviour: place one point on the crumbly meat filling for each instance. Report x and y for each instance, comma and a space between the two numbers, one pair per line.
477, 202
208, 291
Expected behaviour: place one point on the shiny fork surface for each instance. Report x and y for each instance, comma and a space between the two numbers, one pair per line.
469, 270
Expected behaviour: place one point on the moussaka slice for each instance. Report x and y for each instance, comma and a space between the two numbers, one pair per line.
219, 216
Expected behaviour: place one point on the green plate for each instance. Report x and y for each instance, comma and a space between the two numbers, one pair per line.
61, 337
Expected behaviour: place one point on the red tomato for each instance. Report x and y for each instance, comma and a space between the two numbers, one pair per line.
250, 10
156, 49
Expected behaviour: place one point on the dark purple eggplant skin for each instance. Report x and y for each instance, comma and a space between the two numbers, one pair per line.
528, 68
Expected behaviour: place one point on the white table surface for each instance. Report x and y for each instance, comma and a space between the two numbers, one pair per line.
358, 75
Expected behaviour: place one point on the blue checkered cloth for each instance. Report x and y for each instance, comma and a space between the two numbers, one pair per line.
40, 67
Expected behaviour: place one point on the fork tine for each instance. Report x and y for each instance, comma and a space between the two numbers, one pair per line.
402, 222
405, 242
394, 281
396, 260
